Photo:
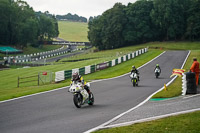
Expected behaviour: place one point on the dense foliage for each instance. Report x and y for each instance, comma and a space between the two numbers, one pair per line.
145, 21
70, 17
20, 25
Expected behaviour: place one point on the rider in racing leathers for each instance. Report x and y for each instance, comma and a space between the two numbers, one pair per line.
157, 66
134, 70
79, 78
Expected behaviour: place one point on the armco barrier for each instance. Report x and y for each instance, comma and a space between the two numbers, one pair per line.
82, 71
37, 56
67, 74
62, 75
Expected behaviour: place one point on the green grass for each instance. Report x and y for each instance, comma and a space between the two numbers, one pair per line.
73, 31
175, 89
186, 123
102, 56
8, 88
30, 50
174, 45
8, 78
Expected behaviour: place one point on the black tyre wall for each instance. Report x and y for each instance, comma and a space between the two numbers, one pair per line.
191, 83
190, 75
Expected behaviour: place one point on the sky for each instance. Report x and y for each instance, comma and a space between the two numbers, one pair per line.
84, 8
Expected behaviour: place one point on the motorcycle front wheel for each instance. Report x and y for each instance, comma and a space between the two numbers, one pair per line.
157, 74
134, 82
78, 100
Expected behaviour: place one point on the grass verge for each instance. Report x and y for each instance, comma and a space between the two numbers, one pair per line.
186, 123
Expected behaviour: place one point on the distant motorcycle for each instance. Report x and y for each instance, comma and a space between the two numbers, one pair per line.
134, 79
157, 72
81, 96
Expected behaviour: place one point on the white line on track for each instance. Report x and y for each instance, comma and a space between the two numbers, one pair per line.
120, 115
32, 95
191, 96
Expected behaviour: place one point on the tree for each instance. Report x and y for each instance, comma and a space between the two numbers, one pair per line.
94, 33
169, 16
27, 25
29, 32
71, 17
139, 28
5, 12
20, 25
193, 21
109, 28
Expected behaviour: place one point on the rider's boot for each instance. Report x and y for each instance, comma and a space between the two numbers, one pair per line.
89, 101
88, 90
89, 94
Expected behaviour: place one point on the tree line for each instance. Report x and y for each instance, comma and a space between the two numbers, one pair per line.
145, 21
70, 17
21, 26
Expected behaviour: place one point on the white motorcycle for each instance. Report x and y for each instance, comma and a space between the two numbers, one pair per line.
157, 72
81, 96
134, 79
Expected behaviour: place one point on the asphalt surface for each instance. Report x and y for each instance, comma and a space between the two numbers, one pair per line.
55, 112
158, 109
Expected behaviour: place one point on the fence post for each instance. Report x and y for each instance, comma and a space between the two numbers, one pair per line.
18, 82
38, 79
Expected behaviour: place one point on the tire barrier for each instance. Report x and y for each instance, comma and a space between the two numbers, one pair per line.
199, 79
190, 75
191, 83
63, 75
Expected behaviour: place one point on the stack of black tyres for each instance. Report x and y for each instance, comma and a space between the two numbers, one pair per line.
199, 79
191, 83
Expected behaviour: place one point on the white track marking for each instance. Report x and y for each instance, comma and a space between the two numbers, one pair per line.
191, 96
32, 95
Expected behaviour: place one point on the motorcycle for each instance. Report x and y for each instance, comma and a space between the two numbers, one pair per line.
80, 95
157, 72
134, 79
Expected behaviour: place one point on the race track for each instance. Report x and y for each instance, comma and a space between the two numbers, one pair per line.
54, 112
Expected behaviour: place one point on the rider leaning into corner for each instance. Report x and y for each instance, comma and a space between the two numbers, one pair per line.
157, 66
134, 70
78, 78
